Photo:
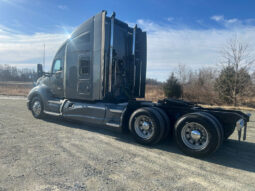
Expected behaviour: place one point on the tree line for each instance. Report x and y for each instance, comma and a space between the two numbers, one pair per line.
232, 83
12, 73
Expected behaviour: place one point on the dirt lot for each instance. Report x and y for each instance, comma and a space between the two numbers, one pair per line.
57, 155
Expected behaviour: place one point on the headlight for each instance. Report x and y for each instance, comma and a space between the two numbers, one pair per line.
240, 124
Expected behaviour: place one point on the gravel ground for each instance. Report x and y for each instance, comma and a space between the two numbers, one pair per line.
54, 154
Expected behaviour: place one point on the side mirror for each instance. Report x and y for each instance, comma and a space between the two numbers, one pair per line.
39, 70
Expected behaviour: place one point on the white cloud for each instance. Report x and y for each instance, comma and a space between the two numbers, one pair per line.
232, 20
27, 50
168, 47
170, 19
228, 23
62, 7
217, 17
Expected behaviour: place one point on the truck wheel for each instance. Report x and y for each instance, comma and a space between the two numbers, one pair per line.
215, 121
147, 126
197, 135
37, 107
166, 120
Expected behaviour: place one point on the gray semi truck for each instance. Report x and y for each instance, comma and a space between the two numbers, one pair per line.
97, 76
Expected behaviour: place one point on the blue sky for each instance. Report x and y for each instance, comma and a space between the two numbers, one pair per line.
187, 32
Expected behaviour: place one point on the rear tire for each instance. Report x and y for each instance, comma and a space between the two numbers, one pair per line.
166, 121
147, 126
197, 135
37, 107
215, 121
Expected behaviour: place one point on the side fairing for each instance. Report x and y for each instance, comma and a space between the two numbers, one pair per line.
83, 62
105, 59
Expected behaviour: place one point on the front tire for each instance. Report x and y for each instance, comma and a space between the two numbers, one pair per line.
37, 107
197, 135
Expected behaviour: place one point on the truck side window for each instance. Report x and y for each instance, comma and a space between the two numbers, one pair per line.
84, 64
57, 66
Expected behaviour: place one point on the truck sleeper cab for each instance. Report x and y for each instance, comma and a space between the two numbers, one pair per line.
98, 73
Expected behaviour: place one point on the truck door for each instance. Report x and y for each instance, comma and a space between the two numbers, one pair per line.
57, 78
57, 74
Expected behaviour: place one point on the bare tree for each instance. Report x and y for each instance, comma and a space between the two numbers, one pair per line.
12, 73
182, 75
253, 78
200, 86
238, 55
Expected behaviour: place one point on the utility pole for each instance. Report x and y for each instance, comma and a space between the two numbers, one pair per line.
44, 56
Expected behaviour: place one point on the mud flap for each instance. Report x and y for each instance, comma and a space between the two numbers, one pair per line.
244, 131
239, 130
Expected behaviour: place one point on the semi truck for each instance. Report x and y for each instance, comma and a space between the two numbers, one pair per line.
99, 74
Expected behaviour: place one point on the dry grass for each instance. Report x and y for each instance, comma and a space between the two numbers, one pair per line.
154, 93
15, 88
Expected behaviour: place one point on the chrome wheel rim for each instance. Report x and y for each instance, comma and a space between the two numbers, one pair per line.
195, 136
37, 108
144, 127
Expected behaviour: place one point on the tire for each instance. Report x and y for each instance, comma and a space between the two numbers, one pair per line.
161, 122
37, 107
153, 129
215, 121
166, 121
197, 135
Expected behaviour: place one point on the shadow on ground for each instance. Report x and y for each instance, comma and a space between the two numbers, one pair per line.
232, 153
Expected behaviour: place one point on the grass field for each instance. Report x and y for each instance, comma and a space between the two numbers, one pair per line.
15, 88
12, 88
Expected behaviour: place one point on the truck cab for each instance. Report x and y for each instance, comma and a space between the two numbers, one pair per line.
98, 74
